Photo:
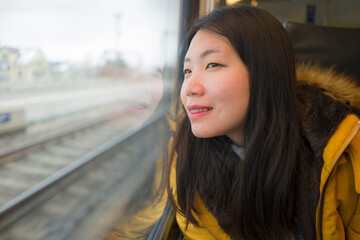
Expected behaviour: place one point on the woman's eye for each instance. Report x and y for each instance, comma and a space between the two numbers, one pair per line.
212, 65
187, 71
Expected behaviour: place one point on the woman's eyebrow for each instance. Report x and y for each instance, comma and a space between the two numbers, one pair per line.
203, 54
207, 52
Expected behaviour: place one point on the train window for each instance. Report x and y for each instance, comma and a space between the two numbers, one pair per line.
84, 89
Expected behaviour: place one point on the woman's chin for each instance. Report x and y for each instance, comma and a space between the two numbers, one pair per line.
202, 134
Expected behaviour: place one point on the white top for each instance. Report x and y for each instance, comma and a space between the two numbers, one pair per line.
240, 151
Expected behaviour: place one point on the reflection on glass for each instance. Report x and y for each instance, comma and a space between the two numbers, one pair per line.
109, 65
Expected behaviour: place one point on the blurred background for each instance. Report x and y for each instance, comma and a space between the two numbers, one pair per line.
88, 94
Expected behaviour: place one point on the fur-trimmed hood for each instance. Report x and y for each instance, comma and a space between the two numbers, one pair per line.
339, 86
325, 98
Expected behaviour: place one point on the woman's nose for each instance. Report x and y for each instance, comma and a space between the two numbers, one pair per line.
193, 86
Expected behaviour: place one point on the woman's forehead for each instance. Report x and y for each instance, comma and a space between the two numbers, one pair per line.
206, 42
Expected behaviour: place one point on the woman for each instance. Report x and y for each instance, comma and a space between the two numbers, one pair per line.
258, 155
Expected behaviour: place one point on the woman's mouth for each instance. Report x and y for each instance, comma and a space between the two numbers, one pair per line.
200, 110
197, 111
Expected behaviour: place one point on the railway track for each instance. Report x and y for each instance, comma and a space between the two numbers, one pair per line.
32, 175
55, 126
26, 164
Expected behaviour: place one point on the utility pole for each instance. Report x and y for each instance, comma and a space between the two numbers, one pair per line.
117, 31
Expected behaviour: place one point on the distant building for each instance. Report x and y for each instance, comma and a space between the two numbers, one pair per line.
27, 65
113, 65
119, 65
7, 57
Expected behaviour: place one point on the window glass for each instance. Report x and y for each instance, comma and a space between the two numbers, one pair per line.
84, 83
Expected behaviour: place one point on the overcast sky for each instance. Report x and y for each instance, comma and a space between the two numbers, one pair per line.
81, 30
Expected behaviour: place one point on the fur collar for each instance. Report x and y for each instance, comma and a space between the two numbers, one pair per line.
324, 100
338, 86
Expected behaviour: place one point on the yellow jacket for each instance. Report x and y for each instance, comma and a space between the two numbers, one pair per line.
338, 211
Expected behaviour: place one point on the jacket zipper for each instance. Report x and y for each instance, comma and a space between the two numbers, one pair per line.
352, 135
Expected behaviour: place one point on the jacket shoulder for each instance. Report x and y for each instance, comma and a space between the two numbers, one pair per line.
340, 183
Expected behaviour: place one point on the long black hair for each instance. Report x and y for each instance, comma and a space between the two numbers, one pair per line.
253, 198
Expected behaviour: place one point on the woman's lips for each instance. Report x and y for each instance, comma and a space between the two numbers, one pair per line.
196, 111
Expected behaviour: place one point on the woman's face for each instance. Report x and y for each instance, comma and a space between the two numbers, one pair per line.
215, 92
